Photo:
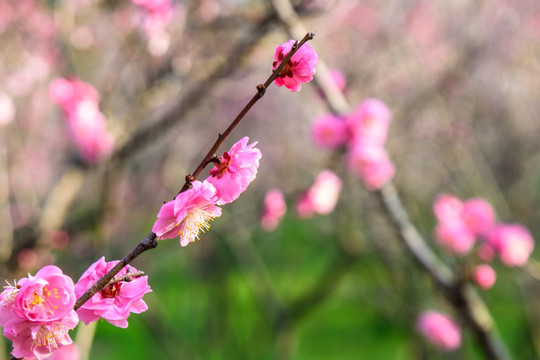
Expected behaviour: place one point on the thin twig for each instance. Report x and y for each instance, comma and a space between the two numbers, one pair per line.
149, 242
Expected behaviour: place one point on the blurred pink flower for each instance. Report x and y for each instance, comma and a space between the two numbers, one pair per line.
299, 69
86, 123
478, 215
37, 313
157, 15
188, 214
369, 122
486, 252
338, 79
115, 302
324, 192
274, 209
371, 164
439, 330
447, 208
322, 196
454, 237
69, 352
512, 242
237, 168
89, 133
329, 131
484, 276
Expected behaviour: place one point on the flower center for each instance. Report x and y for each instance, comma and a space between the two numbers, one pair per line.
287, 69
221, 168
47, 336
195, 222
112, 290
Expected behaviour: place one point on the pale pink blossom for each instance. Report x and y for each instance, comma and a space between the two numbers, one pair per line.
484, 276
447, 208
299, 69
116, 301
478, 215
512, 242
321, 197
188, 214
7, 109
439, 330
237, 168
329, 131
371, 164
369, 122
69, 92
274, 208
485, 252
37, 313
324, 192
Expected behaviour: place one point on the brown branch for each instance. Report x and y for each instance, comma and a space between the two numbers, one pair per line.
149, 242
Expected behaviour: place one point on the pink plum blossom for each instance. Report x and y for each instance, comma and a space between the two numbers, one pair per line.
447, 207
37, 313
85, 122
329, 131
237, 168
439, 330
478, 215
371, 164
299, 69
321, 197
69, 352
454, 237
512, 242
369, 122
484, 276
274, 209
188, 213
116, 301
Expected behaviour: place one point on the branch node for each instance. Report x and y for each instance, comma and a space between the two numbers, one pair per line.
261, 89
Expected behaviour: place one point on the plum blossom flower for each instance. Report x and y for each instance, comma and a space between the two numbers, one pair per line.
372, 164
512, 242
460, 223
321, 197
237, 168
85, 122
274, 209
484, 276
369, 122
188, 214
329, 131
116, 301
439, 330
478, 215
37, 313
299, 69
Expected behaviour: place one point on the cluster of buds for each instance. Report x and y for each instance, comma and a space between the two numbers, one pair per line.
85, 122
461, 225
363, 132
439, 330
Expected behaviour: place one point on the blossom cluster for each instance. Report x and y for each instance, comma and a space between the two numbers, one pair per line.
363, 132
37, 312
85, 122
190, 211
321, 198
461, 225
